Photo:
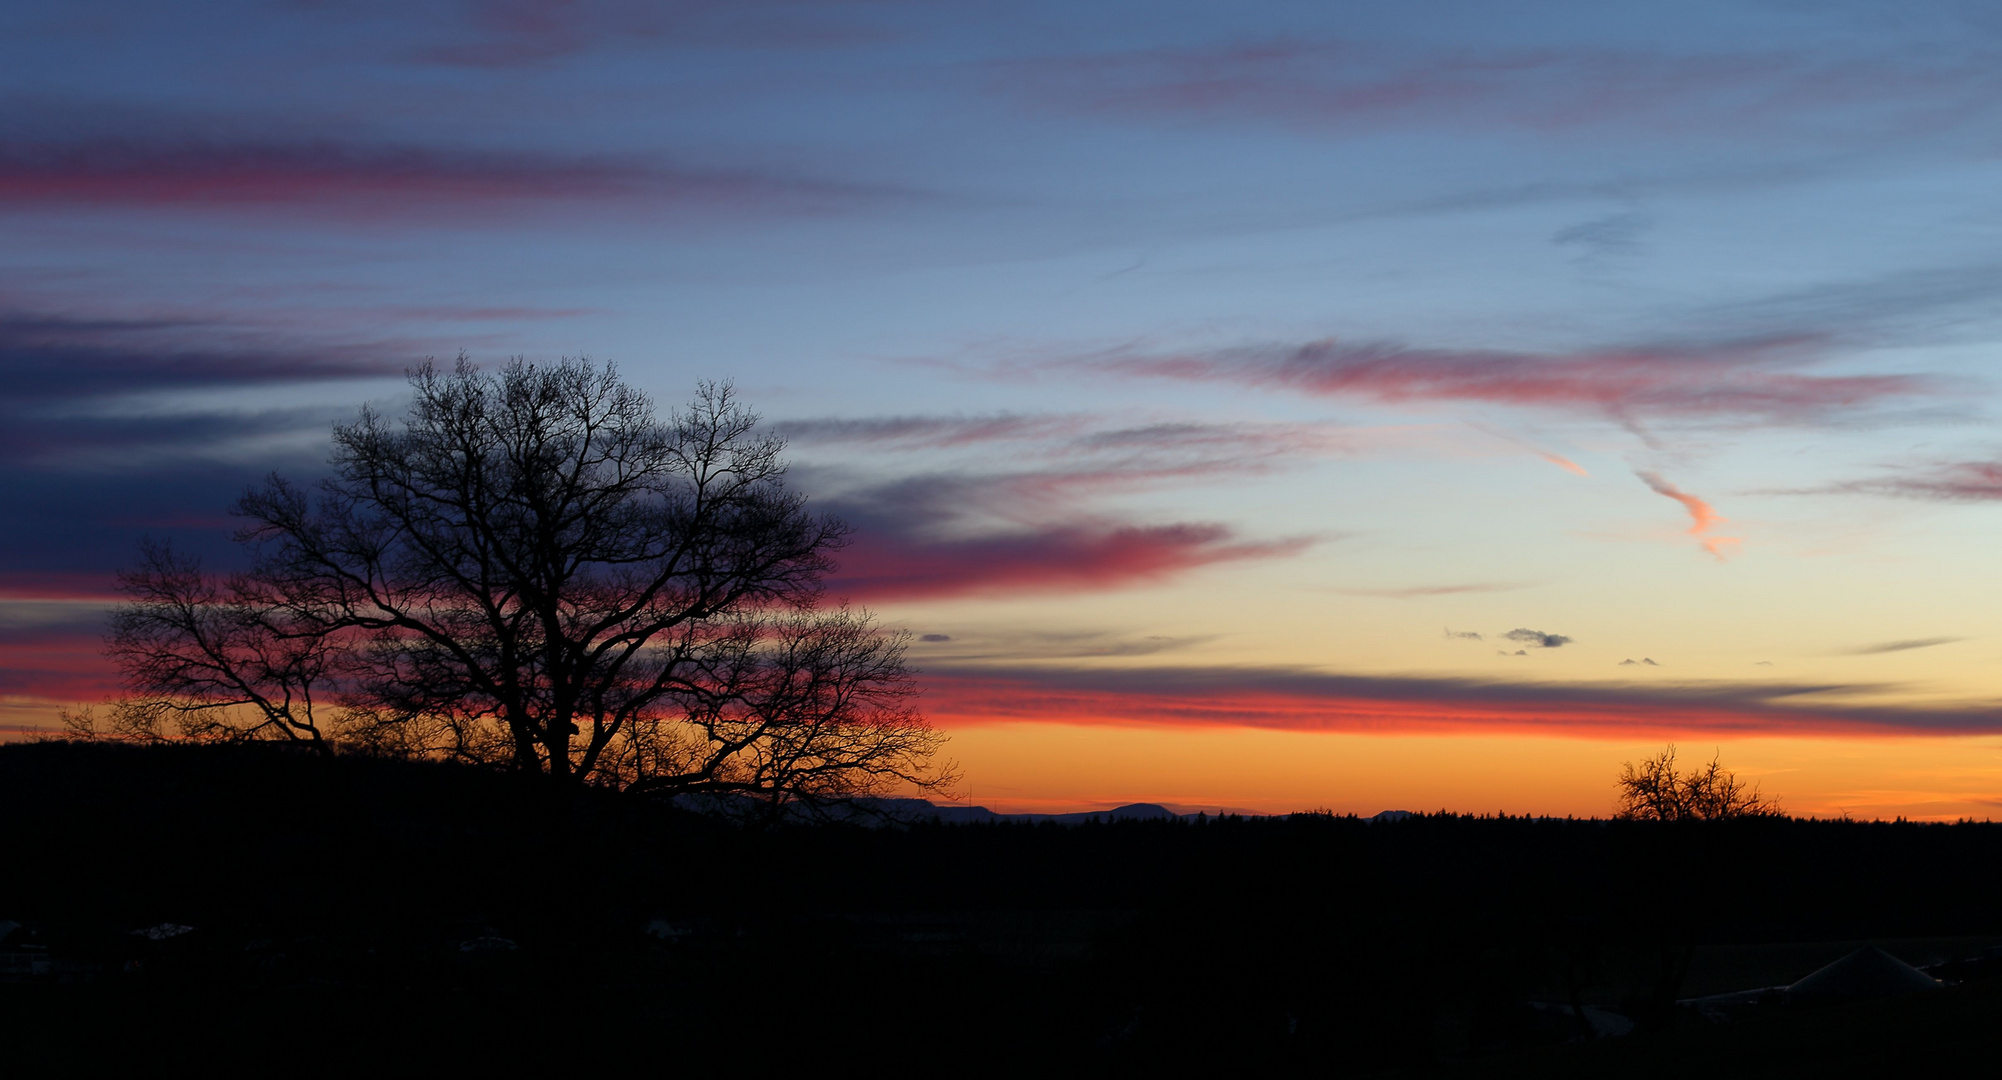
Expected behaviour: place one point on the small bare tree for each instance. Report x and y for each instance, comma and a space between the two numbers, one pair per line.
531, 570
1654, 791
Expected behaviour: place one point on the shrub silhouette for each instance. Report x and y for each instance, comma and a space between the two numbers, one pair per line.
1654, 791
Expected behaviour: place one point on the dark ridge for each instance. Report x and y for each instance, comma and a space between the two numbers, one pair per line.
216, 905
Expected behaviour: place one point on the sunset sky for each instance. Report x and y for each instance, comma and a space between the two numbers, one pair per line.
1362, 406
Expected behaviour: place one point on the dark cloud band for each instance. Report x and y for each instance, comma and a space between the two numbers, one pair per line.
1300, 699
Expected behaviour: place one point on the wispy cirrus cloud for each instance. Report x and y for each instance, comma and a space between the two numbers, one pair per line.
1042, 645
1088, 444
1957, 481
1605, 236
1906, 645
1055, 461
1301, 699
922, 432
1342, 86
1047, 482
1552, 457
1756, 380
1412, 592
1923, 304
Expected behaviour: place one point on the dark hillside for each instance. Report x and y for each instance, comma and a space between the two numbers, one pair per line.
394, 909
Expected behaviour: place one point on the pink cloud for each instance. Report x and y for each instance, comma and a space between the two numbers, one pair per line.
370, 181
947, 533
1702, 516
1558, 460
1293, 699
1745, 380
62, 663
57, 585
881, 565
1564, 463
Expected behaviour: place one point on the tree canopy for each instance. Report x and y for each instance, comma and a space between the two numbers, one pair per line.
533, 570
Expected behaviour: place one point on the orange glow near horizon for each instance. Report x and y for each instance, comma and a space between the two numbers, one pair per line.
1029, 747
1049, 767
1022, 763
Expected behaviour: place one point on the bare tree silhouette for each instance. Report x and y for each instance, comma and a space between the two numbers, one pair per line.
1654, 791
532, 570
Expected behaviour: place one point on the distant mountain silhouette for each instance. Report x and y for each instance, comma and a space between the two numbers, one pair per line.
876, 811
960, 815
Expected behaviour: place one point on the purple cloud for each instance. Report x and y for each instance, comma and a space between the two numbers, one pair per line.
950, 533
54, 357
1350, 85
913, 432
1753, 380
1302, 699
366, 181
884, 564
1959, 481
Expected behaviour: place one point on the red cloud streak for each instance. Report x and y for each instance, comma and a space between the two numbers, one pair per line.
66, 667
881, 566
60, 666
1294, 700
370, 180
58, 585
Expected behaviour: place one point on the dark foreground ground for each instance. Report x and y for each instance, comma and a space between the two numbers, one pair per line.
368, 916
